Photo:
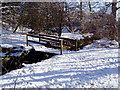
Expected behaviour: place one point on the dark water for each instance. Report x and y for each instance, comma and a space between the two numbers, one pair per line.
36, 56
16, 62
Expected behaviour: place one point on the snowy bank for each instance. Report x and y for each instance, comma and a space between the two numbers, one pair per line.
91, 68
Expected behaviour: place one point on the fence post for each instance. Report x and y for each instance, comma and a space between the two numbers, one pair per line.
61, 47
27, 39
76, 44
39, 38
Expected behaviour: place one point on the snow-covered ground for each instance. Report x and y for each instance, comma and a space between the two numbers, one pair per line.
75, 36
91, 67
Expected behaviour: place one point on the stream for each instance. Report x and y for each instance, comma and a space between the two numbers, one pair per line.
10, 62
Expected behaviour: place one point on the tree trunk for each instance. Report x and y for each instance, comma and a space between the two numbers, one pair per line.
61, 11
114, 8
60, 30
90, 9
113, 13
15, 28
81, 14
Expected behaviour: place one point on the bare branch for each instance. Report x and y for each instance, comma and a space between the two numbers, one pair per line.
117, 8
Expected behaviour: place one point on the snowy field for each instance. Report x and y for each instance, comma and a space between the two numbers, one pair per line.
92, 67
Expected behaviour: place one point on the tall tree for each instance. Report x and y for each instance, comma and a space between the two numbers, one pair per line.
89, 4
114, 8
113, 13
81, 13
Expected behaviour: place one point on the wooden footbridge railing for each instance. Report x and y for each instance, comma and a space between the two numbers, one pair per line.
54, 41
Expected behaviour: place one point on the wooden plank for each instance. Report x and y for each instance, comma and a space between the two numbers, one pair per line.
49, 36
57, 37
41, 37
33, 35
55, 42
46, 41
67, 39
58, 47
50, 39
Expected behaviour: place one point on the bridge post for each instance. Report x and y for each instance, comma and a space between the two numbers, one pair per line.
61, 45
39, 38
27, 39
76, 44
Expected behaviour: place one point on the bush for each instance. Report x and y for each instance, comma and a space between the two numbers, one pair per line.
102, 25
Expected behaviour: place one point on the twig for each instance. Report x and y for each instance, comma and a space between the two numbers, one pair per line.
15, 81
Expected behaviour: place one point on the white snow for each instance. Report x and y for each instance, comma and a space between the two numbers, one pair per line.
103, 43
86, 68
10, 39
72, 36
93, 68
76, 36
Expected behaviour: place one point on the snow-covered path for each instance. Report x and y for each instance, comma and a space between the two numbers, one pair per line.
91, 68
